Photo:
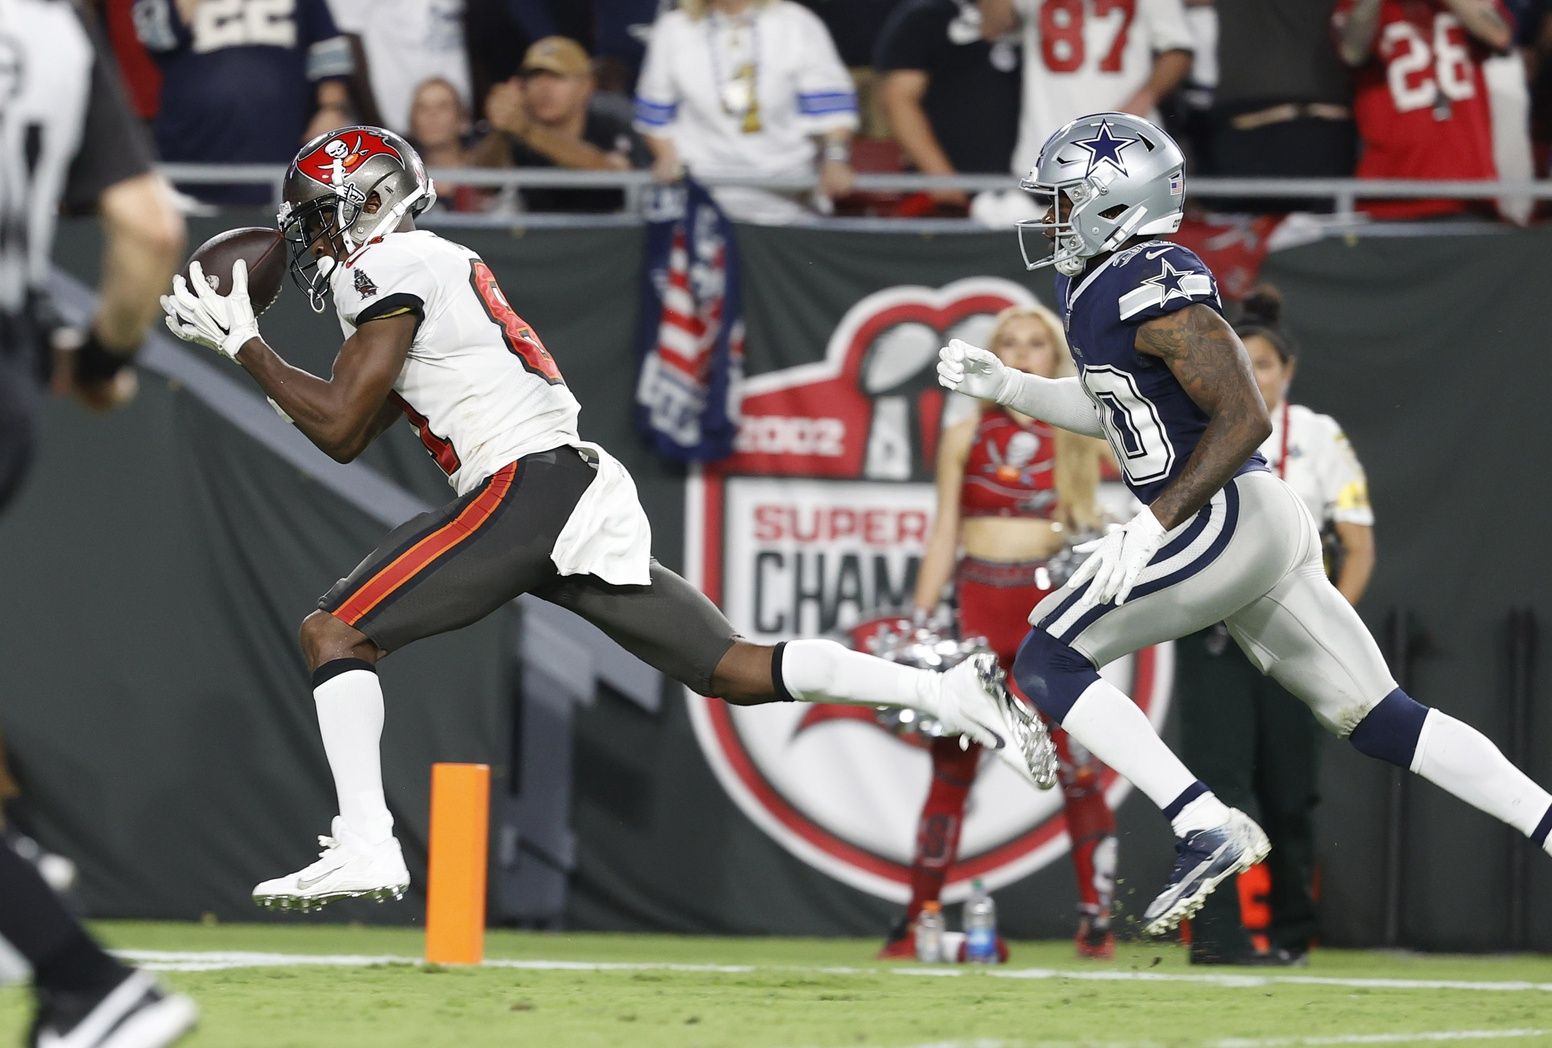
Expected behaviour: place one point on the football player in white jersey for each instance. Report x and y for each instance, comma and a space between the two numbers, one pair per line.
1165, 380
430, 336
1083, 55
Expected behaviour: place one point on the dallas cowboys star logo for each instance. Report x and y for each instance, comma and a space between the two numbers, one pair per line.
1104, 148
1168, 281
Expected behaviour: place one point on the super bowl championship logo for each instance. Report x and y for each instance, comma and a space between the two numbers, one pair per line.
819, 519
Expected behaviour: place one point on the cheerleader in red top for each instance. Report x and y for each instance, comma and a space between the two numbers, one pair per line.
1011, 492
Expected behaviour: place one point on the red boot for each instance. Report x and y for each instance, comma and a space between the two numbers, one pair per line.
1095, 940
901, 944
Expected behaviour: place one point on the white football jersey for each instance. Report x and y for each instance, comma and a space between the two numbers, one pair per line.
1088, 56
1310, 451
478, 385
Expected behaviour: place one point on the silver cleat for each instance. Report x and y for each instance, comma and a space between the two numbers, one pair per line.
1030, 735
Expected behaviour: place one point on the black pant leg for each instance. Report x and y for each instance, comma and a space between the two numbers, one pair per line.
17, 407
1286, 769
62, 955
1214, 685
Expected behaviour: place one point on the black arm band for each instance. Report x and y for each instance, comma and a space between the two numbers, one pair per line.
94, 362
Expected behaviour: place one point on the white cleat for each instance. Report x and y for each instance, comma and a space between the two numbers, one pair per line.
975, 703
347, 868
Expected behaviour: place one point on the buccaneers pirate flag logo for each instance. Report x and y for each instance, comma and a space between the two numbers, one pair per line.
815, 522
342, 154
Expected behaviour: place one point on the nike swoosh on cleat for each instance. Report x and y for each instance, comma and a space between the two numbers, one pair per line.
304, 883
996, 735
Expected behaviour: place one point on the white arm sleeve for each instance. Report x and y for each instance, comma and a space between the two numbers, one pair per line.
1059, 401
827, 98
657, 94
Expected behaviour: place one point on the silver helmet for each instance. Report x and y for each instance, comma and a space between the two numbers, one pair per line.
1104, 179
325, 194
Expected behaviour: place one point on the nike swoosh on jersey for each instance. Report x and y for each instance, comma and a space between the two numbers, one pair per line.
1151, 255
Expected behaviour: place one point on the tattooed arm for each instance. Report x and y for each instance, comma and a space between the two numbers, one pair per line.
1209, 360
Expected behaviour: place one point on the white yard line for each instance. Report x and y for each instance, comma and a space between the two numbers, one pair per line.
1434, 1036
201, 960
1431, 1037
1445, 1036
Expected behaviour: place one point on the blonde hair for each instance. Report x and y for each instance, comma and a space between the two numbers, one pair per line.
698, 9
1077, 457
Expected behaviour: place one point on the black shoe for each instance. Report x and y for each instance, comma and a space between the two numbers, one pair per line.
136, 1013
1274, 958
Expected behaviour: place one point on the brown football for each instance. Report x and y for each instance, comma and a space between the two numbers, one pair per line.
265, 251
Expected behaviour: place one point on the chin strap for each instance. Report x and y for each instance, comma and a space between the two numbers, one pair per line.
390, 218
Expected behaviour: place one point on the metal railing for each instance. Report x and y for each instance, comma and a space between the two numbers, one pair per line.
1338, 196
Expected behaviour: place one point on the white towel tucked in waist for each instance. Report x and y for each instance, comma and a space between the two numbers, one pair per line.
607, 534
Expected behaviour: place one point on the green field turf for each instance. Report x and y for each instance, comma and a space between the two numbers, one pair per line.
796, 992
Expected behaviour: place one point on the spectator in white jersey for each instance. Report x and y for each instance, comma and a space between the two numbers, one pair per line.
243, 82
543, 117
1250, 740
935, 68
67, 138
747, 87
1081, 58
405, 43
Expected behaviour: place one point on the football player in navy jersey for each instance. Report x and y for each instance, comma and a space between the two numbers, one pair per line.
1165, 380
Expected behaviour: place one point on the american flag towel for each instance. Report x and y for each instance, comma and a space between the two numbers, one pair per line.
691, 340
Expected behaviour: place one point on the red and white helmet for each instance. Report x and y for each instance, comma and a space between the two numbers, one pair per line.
325, 194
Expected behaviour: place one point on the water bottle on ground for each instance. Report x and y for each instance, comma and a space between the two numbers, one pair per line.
980, 926
929, 933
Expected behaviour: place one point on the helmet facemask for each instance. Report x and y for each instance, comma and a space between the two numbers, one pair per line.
327, 192
315, 221
1104, 179
1055, 232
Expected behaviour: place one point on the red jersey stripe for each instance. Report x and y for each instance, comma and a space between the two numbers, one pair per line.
428, 550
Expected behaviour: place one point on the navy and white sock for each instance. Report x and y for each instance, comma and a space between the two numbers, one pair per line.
1457, 758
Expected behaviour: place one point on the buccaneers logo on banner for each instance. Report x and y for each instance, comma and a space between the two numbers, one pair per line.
818, 519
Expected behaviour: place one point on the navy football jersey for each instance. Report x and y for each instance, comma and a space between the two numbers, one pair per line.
1152, 424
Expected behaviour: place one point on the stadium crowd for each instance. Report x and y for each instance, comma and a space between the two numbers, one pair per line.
1435, 89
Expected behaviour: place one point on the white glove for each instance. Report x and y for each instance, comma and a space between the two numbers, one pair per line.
198, 314
1116, 560
974, 372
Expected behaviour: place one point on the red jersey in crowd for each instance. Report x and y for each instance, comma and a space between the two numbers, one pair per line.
1421, 103
1011, 470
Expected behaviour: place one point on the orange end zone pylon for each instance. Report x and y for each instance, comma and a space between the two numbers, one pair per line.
455, 881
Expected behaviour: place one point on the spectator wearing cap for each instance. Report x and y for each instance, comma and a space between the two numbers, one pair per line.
542, 118
747, 87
